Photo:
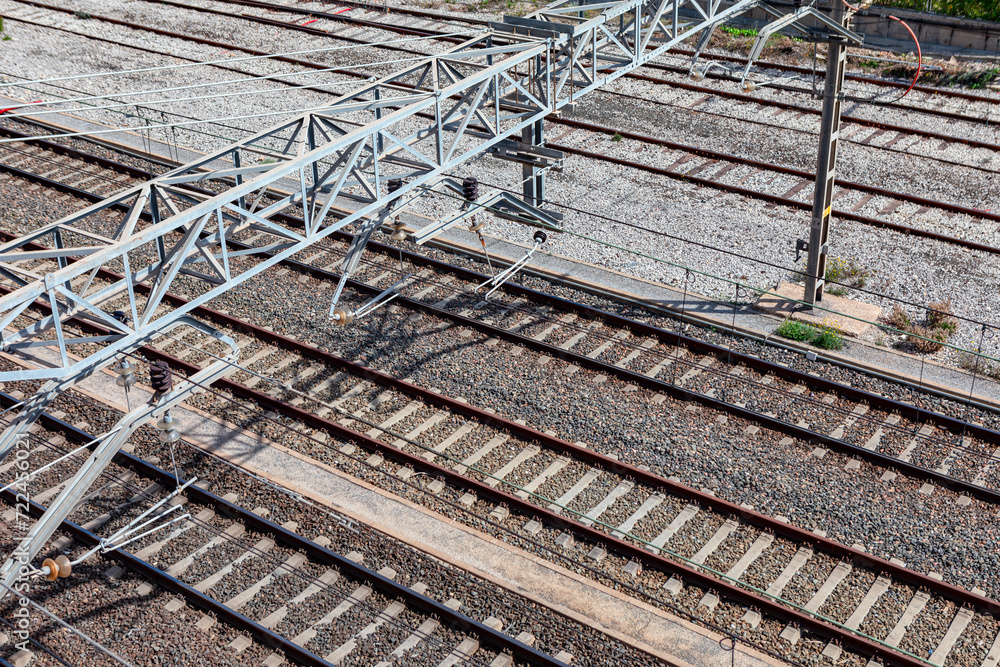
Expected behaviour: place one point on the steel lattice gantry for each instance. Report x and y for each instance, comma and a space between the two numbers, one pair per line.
416, 124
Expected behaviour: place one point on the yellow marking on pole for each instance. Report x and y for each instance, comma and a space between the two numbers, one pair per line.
826, 213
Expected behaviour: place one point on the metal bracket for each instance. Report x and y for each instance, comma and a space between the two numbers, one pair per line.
502, 204
703, 41
535, 156
497, 281
827, 31
104, 451
801, 246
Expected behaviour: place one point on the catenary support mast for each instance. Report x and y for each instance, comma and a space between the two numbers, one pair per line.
826, 167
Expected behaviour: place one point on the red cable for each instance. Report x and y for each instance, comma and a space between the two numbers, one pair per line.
3, 111
920, 57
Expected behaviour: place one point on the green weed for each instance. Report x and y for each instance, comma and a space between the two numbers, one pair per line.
739, 32
828, 339
977, 80
795, 330
845, 272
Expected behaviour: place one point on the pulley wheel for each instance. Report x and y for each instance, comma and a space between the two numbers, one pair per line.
476, 226
65, 566
53, 569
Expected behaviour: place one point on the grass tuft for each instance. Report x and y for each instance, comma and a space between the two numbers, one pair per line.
795, 330
827, 337
738, 32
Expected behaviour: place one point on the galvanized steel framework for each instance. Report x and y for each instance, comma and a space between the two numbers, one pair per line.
416, 124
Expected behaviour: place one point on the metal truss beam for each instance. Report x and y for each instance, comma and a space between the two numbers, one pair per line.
416, 124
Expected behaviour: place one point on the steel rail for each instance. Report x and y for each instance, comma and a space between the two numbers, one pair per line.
905, 409
928, 90
426, 32
594, 535
950, 115
714, 155
635, 75
886, 461
788, 106
711, 154
623, 585
190, 38
909, 411
655, 481
920, 415
313, 31
198, 599
285, 537
553, 442
639, 379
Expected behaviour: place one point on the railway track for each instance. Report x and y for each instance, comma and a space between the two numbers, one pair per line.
926, 444
582, 493
703, 94
363, 29
285, 591
732, 547
681, 536
856, 202
405, 20
437, 18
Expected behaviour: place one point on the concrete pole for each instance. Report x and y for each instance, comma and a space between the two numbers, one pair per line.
826, 167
